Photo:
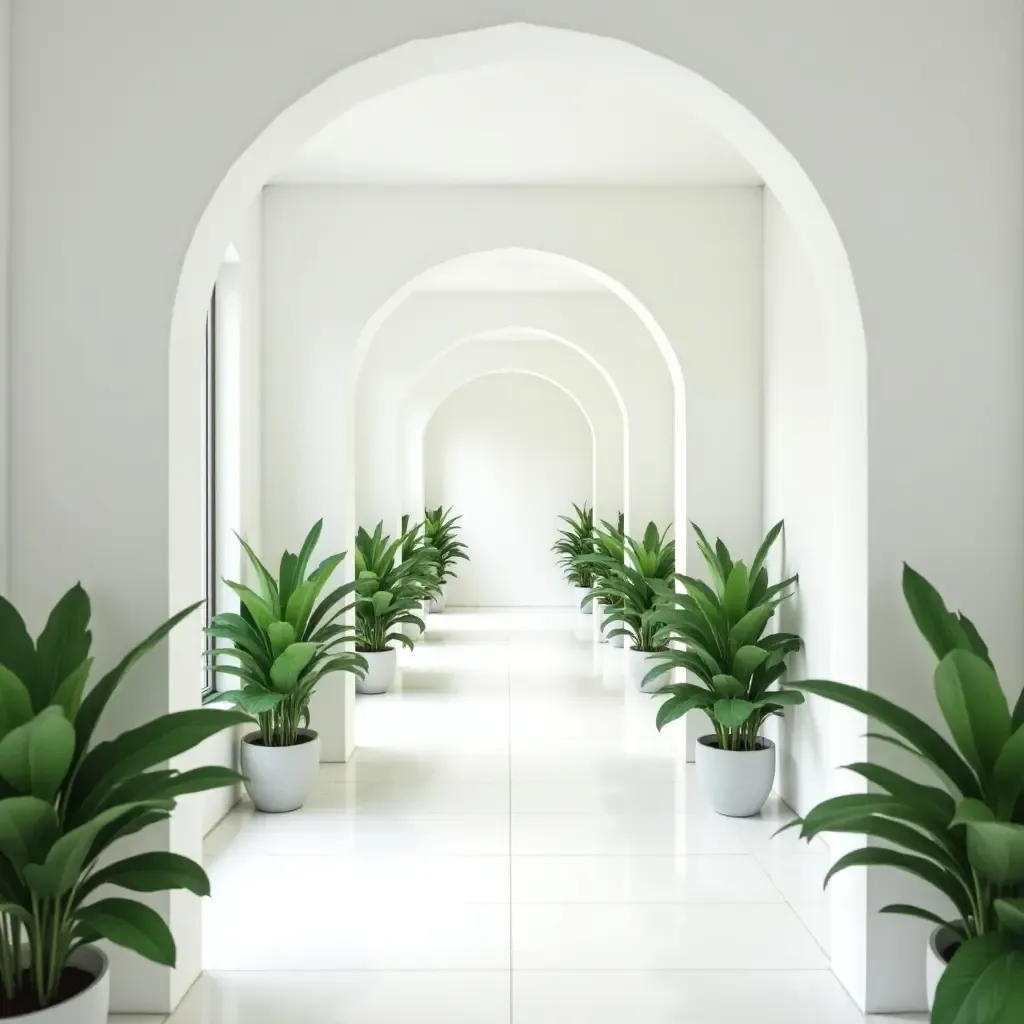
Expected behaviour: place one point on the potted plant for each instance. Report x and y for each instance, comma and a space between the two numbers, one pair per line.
441, 532
283, 643
573, 544
964, 837
388, 596
735, 667
634, 593
609, 547
416, 551
65, 801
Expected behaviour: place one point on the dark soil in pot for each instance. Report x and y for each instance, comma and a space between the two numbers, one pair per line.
73, 982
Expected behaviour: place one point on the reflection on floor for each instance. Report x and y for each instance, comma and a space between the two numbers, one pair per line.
512, 842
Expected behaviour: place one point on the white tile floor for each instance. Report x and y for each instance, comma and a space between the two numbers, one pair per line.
512, 842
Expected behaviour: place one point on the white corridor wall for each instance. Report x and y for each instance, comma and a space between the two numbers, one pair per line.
510, 451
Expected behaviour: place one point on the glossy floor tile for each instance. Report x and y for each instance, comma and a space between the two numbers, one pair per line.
513, 842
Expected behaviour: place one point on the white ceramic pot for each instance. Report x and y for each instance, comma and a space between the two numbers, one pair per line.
439, 603
617, 641
412, 631
578, 593
381, 674
638, 664
940, 944
736, 782
89, 1007
279, 779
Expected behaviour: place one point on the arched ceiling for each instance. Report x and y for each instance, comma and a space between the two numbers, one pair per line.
525, 122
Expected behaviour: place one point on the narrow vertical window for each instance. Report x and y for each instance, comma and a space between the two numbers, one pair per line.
210, 443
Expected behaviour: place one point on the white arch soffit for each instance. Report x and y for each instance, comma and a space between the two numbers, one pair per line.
527, 333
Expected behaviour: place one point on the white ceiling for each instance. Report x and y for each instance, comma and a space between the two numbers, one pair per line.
522, 123
508, 270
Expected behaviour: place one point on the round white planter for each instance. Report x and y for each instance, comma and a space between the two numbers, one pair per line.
279, 779
578, 593
89, 1007
736, 782
412, 631
940, 940
381, 674
439, 603
616, 641
638, 664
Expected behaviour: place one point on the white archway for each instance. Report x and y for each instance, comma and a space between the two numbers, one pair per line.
843, 334
556, 361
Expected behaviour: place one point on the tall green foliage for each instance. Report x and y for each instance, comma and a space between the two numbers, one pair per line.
574, 543
964, 837
65, 800
633, 592
283, 642
441, 531
389, 592
721, 627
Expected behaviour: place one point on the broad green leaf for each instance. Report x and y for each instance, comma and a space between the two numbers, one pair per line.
919, 912
282, 635
64, 642
937, 624
15, 702
69, 693
300, 604
288, 666
262, 613
918, 733
1011, 915
96, 699
782, 698
138, 749
35, 757
996, 850
17, 651
972, 810
132, 925
60, 871
151, 872
974, 706
766, 546
983, 984
28, 828
747, 659
935, 802
676, 707
267, 584
169, 784
1008, 773
728, 686
978, 645
751, 625
732, 713
737, 587
252, 702
307, 549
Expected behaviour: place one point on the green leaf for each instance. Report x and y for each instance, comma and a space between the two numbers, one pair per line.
781, 698
62, 868
307, 549
978, 645
918, 733
996, 850
262, 613
983, 984
728, 686
282, 635
35, 757
766, 546
69, 693
151, 872
15, 702
132, 925
267, 584
737, 588
731, 714
1011, 915
937, 624
936, 803
1008, 772
169, 784
974, 706
288, 666
134, 751
746, 660
253, 702
64, 643
676, 707
17, 651
910, 911
28, 828
97, 698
